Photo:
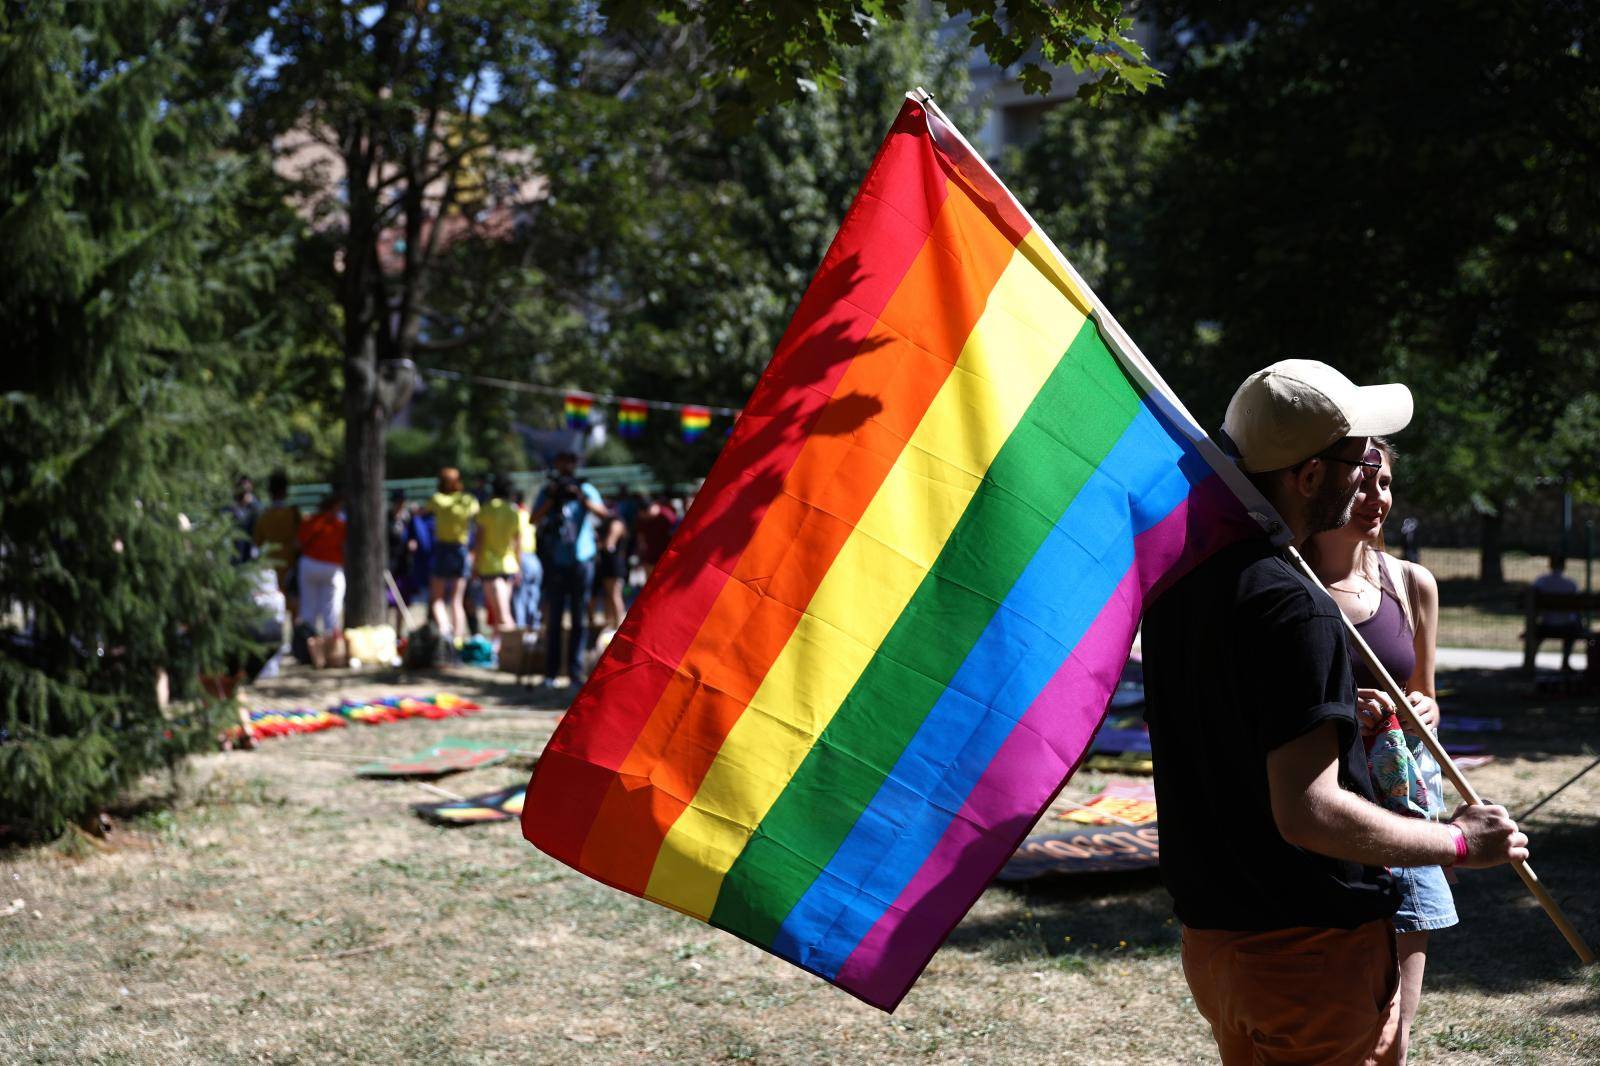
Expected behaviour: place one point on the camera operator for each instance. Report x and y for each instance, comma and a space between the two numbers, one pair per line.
564, 517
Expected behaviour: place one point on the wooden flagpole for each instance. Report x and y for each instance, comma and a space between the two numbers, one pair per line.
1271, 523
437, 791
399, 603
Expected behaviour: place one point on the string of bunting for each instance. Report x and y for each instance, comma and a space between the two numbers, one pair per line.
631, 415
694, 421
578, 406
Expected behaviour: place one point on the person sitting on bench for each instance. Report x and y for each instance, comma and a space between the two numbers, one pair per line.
1565, 625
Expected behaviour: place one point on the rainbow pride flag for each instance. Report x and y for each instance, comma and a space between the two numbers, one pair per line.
631, 415
896, 613
577, 406
694, 420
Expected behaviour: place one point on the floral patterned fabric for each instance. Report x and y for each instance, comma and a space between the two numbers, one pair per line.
1398, 776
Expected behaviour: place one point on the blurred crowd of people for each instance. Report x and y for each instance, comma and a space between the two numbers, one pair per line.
561, 564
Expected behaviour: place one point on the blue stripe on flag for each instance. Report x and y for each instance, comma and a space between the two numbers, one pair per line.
1045, 614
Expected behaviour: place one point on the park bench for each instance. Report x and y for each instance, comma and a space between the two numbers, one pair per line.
1543, 603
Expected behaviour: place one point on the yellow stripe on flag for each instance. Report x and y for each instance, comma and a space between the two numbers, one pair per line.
1025, 329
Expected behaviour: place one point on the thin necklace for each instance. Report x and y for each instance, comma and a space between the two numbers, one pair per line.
1354, 592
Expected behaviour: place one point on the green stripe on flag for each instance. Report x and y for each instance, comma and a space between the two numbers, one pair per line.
1077, 417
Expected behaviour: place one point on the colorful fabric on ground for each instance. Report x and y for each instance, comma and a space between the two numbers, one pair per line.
694, 421
578, 406
1122, 733
272, 723
1119, 803
451, 755
631, 416
394, 708
499, 806
895, 614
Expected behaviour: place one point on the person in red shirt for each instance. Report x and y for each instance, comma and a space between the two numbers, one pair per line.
321, 539
655, 528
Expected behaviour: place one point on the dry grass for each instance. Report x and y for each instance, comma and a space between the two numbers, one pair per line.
280, 910
1475, 615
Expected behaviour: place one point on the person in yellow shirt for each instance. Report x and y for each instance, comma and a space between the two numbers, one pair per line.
276, 536
453, 510
525, 601
498, 550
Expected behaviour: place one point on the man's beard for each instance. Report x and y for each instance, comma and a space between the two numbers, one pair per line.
1330, 507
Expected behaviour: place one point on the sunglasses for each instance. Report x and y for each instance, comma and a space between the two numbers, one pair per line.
1370, 464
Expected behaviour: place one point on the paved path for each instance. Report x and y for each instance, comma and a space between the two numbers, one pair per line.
1486, 659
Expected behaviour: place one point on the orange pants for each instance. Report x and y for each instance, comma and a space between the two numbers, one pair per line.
1300, 995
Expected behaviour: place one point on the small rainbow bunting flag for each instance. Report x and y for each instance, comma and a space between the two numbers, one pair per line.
578, 406
631, 415
694, 421
895, 615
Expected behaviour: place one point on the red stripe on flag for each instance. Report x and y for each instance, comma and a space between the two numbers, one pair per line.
875, 247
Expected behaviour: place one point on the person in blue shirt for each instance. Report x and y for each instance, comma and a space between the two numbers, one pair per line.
566, 514
419, 553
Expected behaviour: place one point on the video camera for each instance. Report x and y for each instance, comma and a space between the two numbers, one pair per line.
564, 488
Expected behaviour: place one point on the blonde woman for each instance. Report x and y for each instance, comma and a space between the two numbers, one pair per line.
498, 550
1394, 605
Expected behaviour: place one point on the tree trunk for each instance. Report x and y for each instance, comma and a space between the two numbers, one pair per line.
365, 430
1490, 571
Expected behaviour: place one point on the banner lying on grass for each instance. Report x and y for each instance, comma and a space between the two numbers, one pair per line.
1120, 802
1089, 850
451, 755
501, 806
896, 612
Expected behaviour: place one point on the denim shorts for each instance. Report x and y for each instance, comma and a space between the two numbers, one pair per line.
449, 560
1425, 899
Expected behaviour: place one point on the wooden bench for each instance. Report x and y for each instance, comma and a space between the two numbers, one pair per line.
1543, 603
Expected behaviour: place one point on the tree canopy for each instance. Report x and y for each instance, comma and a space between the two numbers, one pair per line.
1415, 204
772, 54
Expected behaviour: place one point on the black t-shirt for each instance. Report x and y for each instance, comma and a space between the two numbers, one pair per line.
1242, 655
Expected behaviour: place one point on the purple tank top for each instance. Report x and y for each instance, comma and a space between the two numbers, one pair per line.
1389, 636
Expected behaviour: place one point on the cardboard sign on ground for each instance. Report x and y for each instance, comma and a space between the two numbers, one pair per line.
1091, 849
1121, 802
449, 756
501, 806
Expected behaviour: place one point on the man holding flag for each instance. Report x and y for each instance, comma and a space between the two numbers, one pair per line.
1289, 950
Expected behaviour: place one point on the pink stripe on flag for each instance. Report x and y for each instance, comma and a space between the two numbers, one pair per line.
1033, 763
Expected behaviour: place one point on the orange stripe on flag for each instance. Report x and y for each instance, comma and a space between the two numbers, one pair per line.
882, 397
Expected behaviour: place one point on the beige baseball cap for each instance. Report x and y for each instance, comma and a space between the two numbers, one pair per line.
1293, 409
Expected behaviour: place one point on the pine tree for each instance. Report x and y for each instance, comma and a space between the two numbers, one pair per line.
125, 311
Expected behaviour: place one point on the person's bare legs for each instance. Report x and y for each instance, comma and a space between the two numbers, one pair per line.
1413, 952
497, 600
458, 606
612, 603
438, 605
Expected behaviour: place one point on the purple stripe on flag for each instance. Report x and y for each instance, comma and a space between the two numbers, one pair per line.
1035, 759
